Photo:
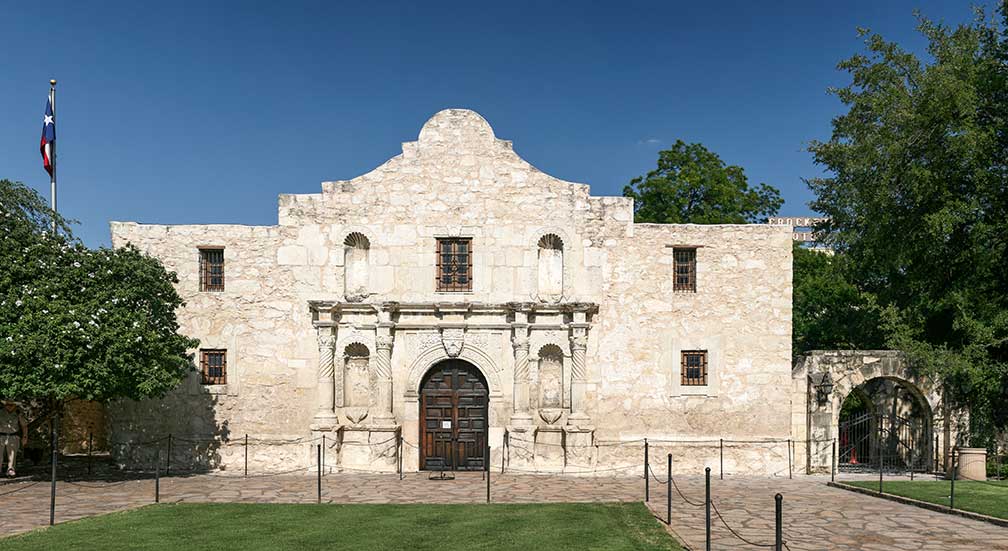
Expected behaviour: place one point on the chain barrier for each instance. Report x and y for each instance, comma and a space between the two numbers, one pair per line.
594, 471
736, 534
21, 489
655, 477
305, 470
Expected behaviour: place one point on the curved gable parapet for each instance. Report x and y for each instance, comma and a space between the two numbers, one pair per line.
456, 140
458, 131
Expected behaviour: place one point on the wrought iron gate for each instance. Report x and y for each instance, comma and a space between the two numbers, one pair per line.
867, 442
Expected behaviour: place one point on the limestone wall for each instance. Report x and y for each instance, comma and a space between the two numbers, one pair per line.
458, 179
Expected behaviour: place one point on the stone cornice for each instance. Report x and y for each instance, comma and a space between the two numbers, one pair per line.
451, 307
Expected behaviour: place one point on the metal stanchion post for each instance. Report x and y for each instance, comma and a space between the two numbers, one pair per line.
487, 464
318, 448
952, 492
668, 494
54, 440
90, 444
778, 517
399, 453
707, 503
168, 466
246, 455
157, 477
647, 479
832, 468
789, 458
936, 456
911, 458
721, 444
880, 453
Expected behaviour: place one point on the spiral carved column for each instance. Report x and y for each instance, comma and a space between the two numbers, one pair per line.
579, 373
325, 417
383, 377
520, 343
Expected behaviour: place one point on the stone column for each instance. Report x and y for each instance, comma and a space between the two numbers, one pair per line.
520, 343
579, 372
383, 377
325, 418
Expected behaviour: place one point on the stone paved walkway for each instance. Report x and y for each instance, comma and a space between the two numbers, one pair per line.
816, 517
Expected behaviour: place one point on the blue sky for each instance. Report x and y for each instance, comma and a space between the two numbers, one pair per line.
203, 112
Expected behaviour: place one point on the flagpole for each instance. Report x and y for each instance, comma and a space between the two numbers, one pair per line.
52, 152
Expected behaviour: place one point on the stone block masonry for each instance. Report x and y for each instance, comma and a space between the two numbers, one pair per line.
333, 321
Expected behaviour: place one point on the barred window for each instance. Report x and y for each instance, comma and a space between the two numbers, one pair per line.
211, 269
213, 367
454, 265
684, 268
694, 367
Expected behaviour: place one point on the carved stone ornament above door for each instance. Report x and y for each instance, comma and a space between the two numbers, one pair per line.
453, 339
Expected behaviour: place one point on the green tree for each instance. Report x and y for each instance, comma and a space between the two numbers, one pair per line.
830, 312
692, 185
916, 196
78, 323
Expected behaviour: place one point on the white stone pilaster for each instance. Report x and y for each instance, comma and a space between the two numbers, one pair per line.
325, 417
520, 343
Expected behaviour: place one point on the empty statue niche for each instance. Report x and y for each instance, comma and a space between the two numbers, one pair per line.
551, 377
356, 376
550, 282
356, 248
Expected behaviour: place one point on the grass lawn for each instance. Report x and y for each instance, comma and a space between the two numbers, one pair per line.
250, 527
988, 498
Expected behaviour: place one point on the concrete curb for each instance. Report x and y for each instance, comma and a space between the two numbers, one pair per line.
922, 504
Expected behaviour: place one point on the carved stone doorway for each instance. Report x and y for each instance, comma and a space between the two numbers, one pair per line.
454, 415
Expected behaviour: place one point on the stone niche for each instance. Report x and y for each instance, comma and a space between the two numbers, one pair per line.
550, 268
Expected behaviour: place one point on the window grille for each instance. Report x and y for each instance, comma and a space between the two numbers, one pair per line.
684, 268
212, 270
454, 265
694, 367
213, 367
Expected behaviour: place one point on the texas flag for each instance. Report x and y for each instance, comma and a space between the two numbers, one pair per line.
48, 146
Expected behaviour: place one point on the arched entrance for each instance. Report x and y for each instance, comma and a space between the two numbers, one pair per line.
454, 415
885, 422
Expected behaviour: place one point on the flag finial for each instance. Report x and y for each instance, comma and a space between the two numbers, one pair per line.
52, 82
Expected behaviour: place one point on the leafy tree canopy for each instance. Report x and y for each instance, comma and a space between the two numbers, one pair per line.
917, 196
830, 312
78, 323
692, 185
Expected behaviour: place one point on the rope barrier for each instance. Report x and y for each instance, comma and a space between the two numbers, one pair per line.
595, 471
305, 470
734, 533
681, 495
21, 489
658, 480
101, 486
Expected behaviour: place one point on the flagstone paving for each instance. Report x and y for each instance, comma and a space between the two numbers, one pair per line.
816, 517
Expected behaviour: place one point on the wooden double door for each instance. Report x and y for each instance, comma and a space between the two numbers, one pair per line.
454, 399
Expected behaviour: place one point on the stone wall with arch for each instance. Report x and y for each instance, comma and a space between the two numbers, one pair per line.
817, 416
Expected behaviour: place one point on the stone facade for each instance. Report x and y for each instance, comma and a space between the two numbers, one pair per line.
331, 319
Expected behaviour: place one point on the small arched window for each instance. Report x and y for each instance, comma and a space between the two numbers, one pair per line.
550, 268
355, 266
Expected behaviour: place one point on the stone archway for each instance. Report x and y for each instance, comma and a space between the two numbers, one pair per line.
886, 422
850, 370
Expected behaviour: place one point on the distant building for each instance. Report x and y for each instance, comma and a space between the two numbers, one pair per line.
801, 229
